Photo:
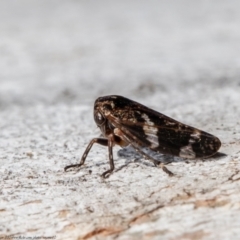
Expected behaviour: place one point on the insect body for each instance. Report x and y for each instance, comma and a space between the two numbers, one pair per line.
125, 122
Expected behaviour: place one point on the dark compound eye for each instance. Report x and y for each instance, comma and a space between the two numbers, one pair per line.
98, 117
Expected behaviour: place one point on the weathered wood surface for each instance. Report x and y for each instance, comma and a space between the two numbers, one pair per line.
181, 59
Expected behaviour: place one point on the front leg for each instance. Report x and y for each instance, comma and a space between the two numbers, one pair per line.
107, 173
101, 141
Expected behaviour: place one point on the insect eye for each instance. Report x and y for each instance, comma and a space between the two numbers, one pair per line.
98, 117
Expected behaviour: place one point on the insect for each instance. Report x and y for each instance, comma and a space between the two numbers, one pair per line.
126, 122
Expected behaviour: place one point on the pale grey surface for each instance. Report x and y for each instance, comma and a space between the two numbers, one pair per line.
181, 58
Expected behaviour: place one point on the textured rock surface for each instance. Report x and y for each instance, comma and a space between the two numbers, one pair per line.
180, 58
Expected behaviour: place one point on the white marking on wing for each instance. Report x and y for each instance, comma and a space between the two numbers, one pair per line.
150, 131
187, 152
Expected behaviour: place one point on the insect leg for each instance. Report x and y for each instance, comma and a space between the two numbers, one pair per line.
107, 173
101, 141
154, 161
126, 139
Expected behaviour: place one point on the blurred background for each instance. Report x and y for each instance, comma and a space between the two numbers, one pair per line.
74, 51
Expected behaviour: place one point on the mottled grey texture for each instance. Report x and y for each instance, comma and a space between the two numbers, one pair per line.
181, 58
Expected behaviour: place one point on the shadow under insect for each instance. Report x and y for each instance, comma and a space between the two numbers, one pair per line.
130, 154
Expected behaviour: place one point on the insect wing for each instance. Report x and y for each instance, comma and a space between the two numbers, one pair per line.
165, 135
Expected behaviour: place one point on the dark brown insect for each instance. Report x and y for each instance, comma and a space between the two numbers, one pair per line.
125, 122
